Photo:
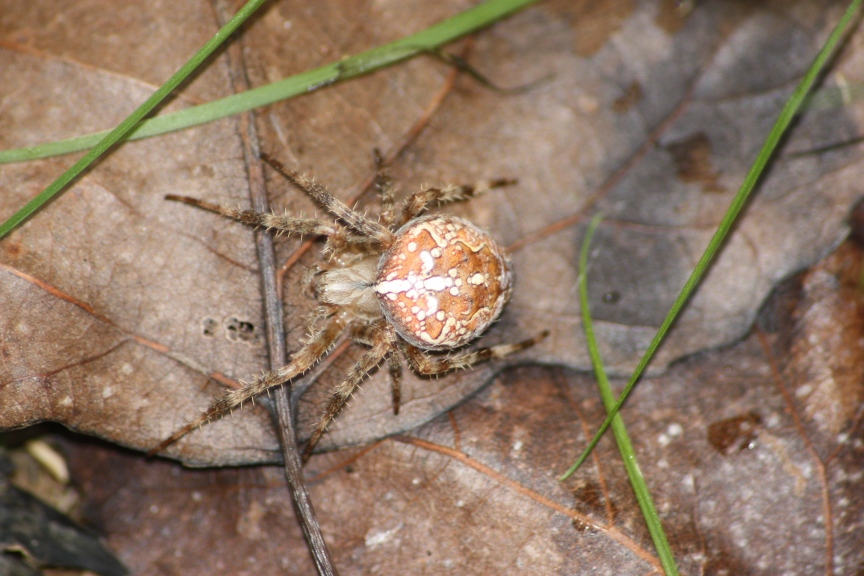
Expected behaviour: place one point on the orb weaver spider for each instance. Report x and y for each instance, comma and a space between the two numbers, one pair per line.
405, 285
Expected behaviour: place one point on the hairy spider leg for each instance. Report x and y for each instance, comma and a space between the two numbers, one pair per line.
394, 368
352, 218
289, 224
386, 190
419, 201
427, 365
385, 339
301, 361
367, 335
387, 194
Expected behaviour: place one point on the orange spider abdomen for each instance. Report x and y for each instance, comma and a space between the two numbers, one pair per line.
442, 282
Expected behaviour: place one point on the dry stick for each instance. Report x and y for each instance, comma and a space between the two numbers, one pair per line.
273, 319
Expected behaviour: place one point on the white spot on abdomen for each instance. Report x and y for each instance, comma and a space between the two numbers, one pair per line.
393, 286
428, 261
435, 283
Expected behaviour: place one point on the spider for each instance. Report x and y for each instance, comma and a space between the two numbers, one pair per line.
403, 286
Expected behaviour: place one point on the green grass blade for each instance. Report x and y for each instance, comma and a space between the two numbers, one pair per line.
786, 115
129, 123
424, 41
625, 447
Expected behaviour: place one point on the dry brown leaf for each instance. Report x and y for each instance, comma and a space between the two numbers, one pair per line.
121, 305
122, 313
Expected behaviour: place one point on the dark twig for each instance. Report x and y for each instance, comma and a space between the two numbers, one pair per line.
275, 330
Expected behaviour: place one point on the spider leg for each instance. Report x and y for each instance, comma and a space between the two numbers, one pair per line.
352, 218
301, 361
289, 224
418, 202
394, 366
427, 365
365, 333
386, 338
386, 192
342, 241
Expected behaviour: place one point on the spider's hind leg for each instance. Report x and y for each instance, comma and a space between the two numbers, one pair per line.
301, 361
384, 338
394, 368
427, 365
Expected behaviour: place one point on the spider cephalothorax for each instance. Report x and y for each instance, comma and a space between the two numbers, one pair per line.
435, 283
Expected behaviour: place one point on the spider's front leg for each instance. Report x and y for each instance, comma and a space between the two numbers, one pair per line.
288, 224
383, 339
301, 361
356, 221
428, 366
